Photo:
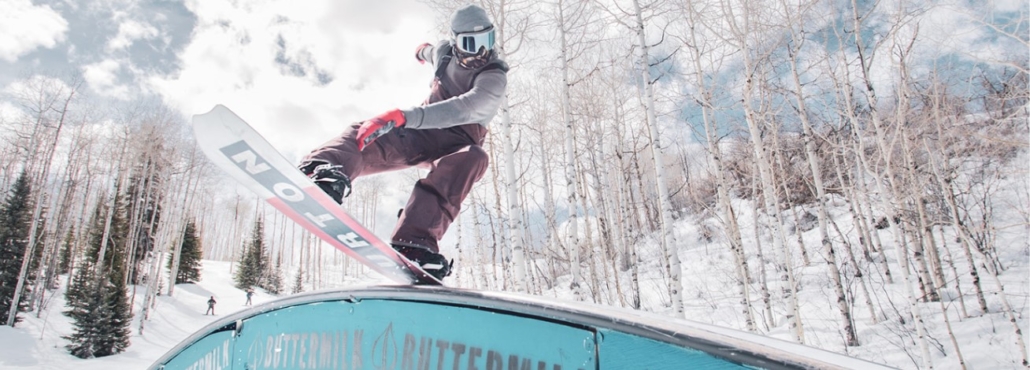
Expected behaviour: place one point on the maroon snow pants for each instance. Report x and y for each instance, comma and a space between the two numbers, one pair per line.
456, 160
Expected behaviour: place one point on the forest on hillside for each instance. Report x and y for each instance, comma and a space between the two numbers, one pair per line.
755, 122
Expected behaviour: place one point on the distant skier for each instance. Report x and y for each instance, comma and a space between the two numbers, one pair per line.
211, 306
445, 133
250, 293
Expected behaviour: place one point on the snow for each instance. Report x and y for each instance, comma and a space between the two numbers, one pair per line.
36, 343
986, 340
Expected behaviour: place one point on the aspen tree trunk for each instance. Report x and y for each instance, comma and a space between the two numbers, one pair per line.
949, 197
954, 271
477, 232
589, 243
723, 201
549, 206
516, 240
460, 248
743, 32
82, 231
120, 179
162, 243
607, 189
183, 217
571, 182
859, 194
925, 243
881, 141
495, 231
808, 136
763, 276
848, 192
665, 202
38, 209
992, 271
858, 275
69, 190
622, 209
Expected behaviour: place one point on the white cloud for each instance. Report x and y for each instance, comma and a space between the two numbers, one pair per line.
102, 77
25, 27
366, 47
130, 31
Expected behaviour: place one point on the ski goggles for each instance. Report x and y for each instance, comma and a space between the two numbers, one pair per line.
471, 42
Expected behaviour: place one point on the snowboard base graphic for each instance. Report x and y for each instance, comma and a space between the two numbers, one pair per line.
240, 151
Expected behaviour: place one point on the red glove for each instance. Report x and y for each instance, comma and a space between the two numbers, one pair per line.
378, 126
418, 52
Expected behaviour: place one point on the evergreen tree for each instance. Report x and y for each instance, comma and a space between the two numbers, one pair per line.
15, 218
114, 335
252, 265
98, 299
83, 311
65, 264
298, 283
273, 277
190, 254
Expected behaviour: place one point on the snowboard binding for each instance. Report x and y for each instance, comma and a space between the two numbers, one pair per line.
329, 178
432, 263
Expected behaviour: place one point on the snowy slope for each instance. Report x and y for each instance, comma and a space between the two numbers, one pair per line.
36, 343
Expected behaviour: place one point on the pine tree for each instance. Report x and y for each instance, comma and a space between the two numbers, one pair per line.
15, 216
273, 277
82, 309
98, 297
66, 258
190, 256
298, 283
252, 265
114, 335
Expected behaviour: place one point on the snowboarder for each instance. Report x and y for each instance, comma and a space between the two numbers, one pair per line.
210, 306
445, 133
250, 293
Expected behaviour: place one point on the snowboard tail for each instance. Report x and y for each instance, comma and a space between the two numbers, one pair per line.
246, 156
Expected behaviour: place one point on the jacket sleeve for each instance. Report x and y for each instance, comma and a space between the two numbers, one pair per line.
428, 54
478, 105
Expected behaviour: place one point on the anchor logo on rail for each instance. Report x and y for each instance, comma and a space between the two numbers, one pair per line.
248, 160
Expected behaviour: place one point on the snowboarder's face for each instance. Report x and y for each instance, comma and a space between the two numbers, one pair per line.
474, 49
473, 61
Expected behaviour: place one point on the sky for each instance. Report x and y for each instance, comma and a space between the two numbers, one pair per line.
298, 71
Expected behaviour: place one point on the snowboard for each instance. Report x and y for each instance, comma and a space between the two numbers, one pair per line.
235, 147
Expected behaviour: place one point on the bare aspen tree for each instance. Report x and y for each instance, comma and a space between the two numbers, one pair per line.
953, 210
50, 98
664, 201
756, 222
623, 193
192, 175
743, 32
887, 198
571, 180
696, 43
796, 18
859, 195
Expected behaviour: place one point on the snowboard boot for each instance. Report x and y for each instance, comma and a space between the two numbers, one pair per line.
433, 263
328, 177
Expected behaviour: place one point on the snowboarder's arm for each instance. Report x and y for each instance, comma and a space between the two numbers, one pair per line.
478, 105
424, 53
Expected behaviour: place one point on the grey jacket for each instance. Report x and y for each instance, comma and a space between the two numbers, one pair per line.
465, 105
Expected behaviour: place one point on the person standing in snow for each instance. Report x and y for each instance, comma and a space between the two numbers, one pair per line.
445, 133
250, 293
210, 306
